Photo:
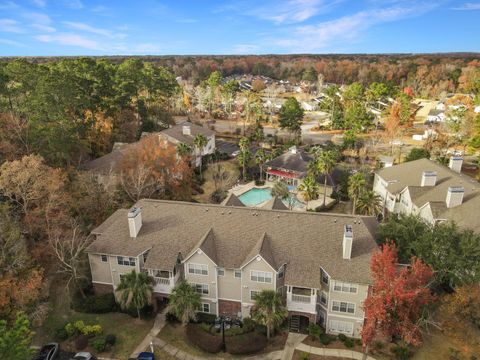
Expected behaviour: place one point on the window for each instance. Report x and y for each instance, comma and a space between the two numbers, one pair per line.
321, 318
342, 306
201, 288
324, 277
253, 293
145, 255
125, 261
198, 269
341, 327
281, 272
205, 308
323, 298
261, 276
220, 272
104, 258
238, 273
345, 287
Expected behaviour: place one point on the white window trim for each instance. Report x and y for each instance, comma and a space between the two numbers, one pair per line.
203, 308
129, 259
350, 286
196, 264
235, 272
202, 293
331, 327
263, 272
256, 291
343, 312
220, 270
104, 255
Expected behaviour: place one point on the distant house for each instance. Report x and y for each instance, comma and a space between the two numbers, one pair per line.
309, 106
185, 133
436, 116
432, 191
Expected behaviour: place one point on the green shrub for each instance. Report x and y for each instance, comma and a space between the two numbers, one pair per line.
61, 334
342, 337
401, 352
218, 196
110, 339
171, 318
304, 356
70, 329
249, 325
206, 327
349, 343
326, 339
378, 345
259, 182
99, 344
249, 343
95, 304
91, 330
204, 340
206, 318
314, 330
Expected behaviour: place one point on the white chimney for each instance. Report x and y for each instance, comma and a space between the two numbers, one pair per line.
134, 221
347, 242
187, 130
456, 163
429, 178
455, 196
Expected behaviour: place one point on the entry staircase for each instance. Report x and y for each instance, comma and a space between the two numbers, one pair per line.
295, 323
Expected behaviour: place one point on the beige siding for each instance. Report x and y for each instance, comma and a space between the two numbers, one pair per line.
118, 270
210, 279
100, 270
356, 325
229, 286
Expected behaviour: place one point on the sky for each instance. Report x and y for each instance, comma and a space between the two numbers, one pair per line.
156, 27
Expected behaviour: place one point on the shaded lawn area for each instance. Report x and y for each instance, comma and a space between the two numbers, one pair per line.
175, 335
231, 166
128, 330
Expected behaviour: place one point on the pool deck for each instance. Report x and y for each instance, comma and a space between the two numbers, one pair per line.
312, 205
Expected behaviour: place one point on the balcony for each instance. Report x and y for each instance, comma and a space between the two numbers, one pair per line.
163, 281
301, 299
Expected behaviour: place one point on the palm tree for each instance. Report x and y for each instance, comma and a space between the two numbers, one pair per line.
369, 203
244, 156
309, 189
135, 289
280, 190
326, 163
200, 141
269, 310
184, 302
356, 186
184, 150
260, 159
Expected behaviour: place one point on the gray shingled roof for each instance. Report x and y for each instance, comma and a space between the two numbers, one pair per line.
303, 241
232, 200
176, 132
275, 203
409, 174
292, 161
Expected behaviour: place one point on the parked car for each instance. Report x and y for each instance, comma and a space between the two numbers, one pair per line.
146, 356
48, 352
83, 355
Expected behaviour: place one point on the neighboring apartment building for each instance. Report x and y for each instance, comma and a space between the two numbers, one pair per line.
185, 133
320, 263
435, 192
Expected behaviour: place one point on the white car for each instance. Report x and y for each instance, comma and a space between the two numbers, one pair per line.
83, 355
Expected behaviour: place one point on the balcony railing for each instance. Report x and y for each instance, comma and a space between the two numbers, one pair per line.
162, 281
301, 298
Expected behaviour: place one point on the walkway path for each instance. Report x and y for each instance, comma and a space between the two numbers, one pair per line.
152, 335
344, 353
293, 340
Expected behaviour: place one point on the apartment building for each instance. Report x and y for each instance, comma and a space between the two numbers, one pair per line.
435, 192
320, 263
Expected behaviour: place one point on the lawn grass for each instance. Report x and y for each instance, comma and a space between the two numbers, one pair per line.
231, 166
163, 355
175, 335
128, 330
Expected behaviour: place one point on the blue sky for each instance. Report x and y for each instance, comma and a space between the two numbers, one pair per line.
155, 27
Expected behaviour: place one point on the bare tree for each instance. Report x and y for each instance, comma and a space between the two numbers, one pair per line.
69, 249
138, 183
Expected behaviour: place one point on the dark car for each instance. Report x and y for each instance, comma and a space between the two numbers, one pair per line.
146, 356
48, 352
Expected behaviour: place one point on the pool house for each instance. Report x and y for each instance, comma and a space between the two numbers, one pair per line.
290, 167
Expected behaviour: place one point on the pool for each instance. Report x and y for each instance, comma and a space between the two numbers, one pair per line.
256, 196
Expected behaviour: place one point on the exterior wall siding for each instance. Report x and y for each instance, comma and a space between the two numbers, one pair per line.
100, 270
229, 287
210, 279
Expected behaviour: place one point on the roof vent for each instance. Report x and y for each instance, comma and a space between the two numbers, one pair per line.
134, 221
455, 163
454, 196
347, 242
429, 178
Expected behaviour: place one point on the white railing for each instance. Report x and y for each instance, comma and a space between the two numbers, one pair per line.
301, 298
162, 281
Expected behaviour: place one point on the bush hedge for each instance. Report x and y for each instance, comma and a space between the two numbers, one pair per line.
205, 318
204, 340
248, 343
99, 344
95, 304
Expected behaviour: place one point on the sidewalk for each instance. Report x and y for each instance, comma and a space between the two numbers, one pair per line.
151, 336
293, 341
350, 354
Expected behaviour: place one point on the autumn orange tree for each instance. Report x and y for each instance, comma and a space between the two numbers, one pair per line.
397, 299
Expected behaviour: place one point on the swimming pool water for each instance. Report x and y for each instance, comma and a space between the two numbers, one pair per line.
256, 196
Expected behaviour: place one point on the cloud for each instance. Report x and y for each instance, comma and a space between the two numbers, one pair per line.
39, 3
94, 30
321, 36
8, 5
11, 42
291, 11
468, 7
245, 48
74, 4
71, 40
10, 25
39, 21
99, 9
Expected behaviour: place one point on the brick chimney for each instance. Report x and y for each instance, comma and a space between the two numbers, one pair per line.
134, 221
429, 178
347, 242
454, 196
455, 163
